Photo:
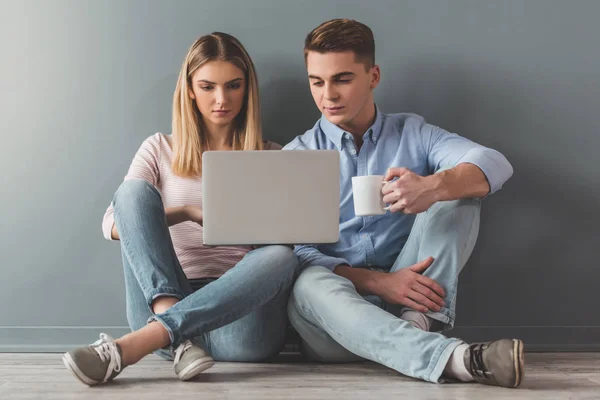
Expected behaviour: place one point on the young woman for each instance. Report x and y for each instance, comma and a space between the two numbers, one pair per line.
239, 315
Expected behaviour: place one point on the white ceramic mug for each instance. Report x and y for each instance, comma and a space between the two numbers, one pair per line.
368, 198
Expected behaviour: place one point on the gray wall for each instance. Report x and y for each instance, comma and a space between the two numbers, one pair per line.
82, 83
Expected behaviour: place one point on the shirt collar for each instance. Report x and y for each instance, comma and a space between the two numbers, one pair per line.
337, 134
377, 126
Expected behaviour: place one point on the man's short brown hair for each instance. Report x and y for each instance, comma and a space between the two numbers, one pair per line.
339, 35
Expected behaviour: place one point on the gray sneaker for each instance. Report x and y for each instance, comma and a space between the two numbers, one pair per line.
497, 363
96, 363
190, 360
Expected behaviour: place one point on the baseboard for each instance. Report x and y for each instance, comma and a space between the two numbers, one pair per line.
536, 338
52, 339
56, 339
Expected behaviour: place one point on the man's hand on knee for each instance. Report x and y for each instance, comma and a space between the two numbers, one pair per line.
411, 289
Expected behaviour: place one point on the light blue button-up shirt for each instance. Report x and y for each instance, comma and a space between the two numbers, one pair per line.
394, 140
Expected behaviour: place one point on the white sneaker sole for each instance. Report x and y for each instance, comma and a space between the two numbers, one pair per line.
195, 368
519, 362
72, 366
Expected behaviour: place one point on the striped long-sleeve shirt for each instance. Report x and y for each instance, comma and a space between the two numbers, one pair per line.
152, 163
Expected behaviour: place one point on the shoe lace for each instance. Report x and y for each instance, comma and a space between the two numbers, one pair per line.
476, 364
107, 350
180, 350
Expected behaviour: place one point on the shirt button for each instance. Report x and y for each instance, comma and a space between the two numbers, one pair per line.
352, 151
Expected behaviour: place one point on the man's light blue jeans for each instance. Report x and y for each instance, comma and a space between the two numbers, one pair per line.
339, 325
239, 317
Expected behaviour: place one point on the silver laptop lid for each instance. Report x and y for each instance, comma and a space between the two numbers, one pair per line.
270, 197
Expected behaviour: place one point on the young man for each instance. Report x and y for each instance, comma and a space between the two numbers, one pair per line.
382, 290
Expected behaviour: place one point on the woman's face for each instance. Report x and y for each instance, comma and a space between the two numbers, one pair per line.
218, 88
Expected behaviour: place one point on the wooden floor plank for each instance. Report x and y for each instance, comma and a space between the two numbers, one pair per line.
548, 376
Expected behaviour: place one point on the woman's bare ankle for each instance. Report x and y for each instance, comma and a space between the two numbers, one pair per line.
138, 344
128, 357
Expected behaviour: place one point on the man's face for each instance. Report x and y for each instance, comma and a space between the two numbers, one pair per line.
342, 87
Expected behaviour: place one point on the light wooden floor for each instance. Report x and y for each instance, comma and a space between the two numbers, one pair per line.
42, 376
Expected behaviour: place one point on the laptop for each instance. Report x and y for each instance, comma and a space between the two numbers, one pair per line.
270, 197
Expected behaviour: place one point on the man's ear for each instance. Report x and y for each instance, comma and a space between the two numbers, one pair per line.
375, 74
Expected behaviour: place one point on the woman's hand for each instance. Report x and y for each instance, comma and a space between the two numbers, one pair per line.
194, 214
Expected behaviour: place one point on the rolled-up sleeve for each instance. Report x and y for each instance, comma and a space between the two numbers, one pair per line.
310, 256
446, 150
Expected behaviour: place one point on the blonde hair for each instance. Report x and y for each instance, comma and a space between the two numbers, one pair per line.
189, 138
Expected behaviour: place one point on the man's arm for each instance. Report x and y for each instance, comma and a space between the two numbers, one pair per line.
459, 168
461, 182
364, 280
309, 256
413, 194
446, 150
